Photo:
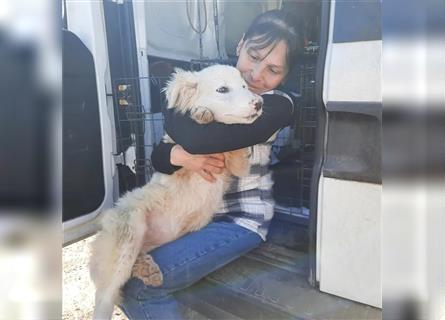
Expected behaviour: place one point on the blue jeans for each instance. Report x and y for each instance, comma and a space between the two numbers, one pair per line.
184, 262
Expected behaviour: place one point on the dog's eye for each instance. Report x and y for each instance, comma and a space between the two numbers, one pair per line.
222, 90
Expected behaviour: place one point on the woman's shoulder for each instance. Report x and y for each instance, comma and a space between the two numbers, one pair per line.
278, 93
278, 97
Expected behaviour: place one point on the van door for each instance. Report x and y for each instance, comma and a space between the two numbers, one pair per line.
88, 126
349, 189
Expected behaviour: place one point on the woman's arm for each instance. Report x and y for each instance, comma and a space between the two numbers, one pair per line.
160, 158
217, 137
167, 158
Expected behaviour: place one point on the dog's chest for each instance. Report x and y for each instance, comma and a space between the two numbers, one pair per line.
200, 194
189, 204
189, 192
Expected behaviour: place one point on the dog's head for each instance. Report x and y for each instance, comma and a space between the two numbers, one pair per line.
218, 88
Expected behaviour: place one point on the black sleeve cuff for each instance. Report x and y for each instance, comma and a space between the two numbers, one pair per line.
160, 158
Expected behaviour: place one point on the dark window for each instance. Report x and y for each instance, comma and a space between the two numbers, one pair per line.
83, 180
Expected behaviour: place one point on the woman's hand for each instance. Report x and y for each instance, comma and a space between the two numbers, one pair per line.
206, 165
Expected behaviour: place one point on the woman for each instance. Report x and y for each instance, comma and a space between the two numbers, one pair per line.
266, 53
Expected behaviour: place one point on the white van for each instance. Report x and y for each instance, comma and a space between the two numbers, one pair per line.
322, 257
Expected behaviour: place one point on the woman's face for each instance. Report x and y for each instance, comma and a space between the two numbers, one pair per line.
262, 70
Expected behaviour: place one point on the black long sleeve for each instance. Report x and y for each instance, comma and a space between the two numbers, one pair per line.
217, 137
160, 158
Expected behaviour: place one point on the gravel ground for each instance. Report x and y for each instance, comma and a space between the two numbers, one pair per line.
78, 289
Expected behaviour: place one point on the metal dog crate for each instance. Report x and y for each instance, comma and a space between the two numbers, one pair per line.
295, 150
139, 128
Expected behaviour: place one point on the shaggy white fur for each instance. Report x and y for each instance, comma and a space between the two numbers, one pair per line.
170, 206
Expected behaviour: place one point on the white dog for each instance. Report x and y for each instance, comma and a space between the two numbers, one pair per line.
170, 206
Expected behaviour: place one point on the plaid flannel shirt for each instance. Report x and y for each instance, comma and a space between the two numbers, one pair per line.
248, 201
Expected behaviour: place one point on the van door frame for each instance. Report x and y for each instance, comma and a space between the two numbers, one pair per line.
320, 141
82, 18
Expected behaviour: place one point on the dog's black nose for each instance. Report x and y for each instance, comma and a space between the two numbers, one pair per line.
258, 105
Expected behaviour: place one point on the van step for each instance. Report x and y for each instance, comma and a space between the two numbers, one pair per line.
257, 287
216, 301
281, 257
189, 313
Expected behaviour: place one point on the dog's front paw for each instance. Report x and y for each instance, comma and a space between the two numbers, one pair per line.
146, 269
237, 162
201, 115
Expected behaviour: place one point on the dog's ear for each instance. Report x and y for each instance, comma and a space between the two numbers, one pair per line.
181, 90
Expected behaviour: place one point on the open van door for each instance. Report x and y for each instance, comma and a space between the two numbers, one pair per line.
88, 122
115, 43
349, 188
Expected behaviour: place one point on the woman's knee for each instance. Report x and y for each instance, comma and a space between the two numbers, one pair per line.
185, 261
135, 288
145, 302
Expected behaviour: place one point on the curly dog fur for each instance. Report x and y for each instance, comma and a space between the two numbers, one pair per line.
170, 206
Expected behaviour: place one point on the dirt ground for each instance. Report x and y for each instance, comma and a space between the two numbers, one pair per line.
78, 290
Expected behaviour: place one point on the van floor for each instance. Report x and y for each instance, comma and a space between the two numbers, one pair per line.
269, 283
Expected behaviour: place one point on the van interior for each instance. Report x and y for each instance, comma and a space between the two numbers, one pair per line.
275, 281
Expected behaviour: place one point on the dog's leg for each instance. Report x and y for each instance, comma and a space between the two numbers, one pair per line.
201, 115
115, 250
146, 269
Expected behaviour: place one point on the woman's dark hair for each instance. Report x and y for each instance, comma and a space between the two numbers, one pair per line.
271, 27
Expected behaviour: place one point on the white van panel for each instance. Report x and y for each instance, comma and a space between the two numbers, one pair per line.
169, 34
349, 212
354, 72
350, 240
